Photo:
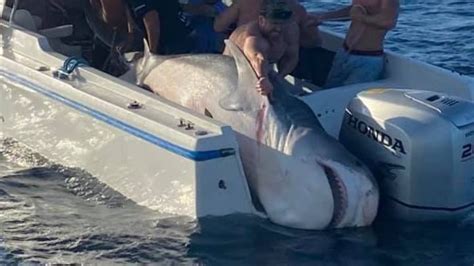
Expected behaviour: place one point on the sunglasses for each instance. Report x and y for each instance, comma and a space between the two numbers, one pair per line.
277, 14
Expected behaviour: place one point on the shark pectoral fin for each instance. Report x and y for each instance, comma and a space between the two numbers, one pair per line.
245, 97
146, 49
131, 57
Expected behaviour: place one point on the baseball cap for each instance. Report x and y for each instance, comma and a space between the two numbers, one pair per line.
276, 10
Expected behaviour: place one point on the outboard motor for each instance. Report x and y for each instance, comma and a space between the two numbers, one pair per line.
420, 146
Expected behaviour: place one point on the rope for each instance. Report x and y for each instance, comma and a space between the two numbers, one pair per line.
69, 65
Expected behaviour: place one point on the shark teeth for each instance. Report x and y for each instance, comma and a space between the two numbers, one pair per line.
339, 193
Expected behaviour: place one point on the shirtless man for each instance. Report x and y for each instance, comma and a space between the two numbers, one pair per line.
362, 57
244, 11
263, 42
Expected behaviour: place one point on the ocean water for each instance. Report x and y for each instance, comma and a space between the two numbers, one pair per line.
440, 32
49, 214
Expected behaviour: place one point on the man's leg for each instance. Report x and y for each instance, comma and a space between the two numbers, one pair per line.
339, 70
365, 69
314, 65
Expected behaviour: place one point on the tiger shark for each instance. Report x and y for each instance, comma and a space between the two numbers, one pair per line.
302, 177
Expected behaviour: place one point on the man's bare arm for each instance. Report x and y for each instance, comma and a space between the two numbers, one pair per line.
308, 24
255, 50
231, 15
337, 14
152, 27
130, 21
386, 19
113, 12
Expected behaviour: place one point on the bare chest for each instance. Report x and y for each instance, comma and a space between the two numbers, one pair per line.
276, 50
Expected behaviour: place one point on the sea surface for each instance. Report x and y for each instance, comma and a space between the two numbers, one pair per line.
49, 214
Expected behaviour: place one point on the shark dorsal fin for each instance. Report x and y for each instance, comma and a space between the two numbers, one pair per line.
143, 63
244, 98
146, 49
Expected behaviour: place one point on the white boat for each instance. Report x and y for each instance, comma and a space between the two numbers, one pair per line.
169, 158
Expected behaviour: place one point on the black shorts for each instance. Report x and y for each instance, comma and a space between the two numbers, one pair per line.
174, 30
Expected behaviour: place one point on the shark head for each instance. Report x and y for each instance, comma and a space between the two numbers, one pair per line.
303, 177
297, 132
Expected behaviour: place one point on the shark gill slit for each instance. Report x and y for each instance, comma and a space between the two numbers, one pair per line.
260, 120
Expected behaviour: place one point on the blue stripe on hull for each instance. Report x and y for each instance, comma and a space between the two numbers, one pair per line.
193, 155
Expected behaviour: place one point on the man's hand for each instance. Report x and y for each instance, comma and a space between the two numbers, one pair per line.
358, 13
264, 86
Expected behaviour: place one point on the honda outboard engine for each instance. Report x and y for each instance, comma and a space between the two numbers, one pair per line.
419, 145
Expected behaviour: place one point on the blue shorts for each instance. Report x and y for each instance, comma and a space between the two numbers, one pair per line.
348, 68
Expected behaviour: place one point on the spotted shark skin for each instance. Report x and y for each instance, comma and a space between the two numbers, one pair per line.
302, 177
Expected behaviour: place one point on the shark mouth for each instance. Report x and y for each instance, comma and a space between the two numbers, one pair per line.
339, 193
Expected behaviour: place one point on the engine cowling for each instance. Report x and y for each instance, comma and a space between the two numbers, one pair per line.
419, 145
